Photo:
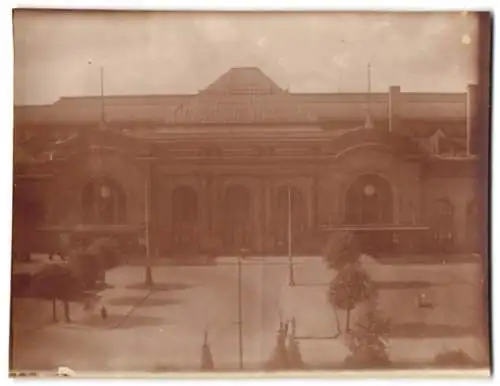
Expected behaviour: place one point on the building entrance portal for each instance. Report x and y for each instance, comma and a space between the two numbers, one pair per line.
290, 215
236, 227
185, 220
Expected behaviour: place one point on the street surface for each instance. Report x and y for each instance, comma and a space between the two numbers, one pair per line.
162, 329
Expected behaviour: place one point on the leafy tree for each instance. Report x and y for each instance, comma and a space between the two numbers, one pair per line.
351, 286
341, 249
102, 254
57, 282
368, 342
87, 267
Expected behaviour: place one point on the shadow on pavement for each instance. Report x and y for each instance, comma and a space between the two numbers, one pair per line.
401, 285
139, 301
423, 330
160, 286
120, 322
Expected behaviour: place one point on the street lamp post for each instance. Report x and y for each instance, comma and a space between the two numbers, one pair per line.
101, 84
243, 253
290, 259
147, 190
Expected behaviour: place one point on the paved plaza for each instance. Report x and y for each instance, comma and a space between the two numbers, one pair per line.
162, 329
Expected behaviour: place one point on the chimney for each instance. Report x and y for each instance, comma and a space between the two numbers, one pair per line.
471, 117
368, 116
394, 92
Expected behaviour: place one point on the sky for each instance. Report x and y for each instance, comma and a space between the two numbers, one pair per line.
59, 54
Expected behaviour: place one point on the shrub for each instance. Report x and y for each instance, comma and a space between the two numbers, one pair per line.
207, 361
454, 358
106, 249
368, 342
351, 286
279, 358
294, 355
341, 248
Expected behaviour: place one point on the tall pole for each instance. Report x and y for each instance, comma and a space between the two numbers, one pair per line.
147, 189
290, 259
103, 117
240, 316
368, 118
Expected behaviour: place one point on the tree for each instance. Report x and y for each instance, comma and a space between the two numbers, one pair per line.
294, 355
207, 361
368, 342
57, 282
351, 286
454, 359
279, 359
102, 254
341, 249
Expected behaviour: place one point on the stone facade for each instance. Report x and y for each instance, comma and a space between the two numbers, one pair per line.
216, 185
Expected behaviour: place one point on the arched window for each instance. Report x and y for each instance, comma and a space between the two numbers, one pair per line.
103, 202
443, 224
291, 206
473, 228
237, 212
185, 218
184, 205
369, 200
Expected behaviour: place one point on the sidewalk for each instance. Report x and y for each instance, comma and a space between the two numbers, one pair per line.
450, 287
29, 314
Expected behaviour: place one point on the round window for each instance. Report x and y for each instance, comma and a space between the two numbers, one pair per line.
369, 190
105, 192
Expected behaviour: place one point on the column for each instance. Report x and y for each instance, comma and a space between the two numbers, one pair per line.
267, 211
394, 94
471, 107
314, 197
215, 203
258, 231
205, 206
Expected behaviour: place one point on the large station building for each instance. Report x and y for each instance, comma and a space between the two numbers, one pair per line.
245, 163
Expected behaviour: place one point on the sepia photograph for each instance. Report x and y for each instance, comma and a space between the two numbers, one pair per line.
250, 192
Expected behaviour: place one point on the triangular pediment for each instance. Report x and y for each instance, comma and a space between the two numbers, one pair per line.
244, 80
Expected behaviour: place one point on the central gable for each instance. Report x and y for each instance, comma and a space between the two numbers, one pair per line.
243, 95
244, 80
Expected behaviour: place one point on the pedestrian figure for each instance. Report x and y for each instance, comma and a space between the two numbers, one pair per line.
285, 329
104, 313
66, 311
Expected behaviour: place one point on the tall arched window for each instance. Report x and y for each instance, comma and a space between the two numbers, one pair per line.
369, 200
473, 229
103, 202
290, 205
185, 205
185, 217
443, 224
237, 217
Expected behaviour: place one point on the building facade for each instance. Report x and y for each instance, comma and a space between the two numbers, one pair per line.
244, 163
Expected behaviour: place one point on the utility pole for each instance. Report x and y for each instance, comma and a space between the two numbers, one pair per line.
103, 116
240, 310
290, 259
368, 118
101, 93
147, 192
